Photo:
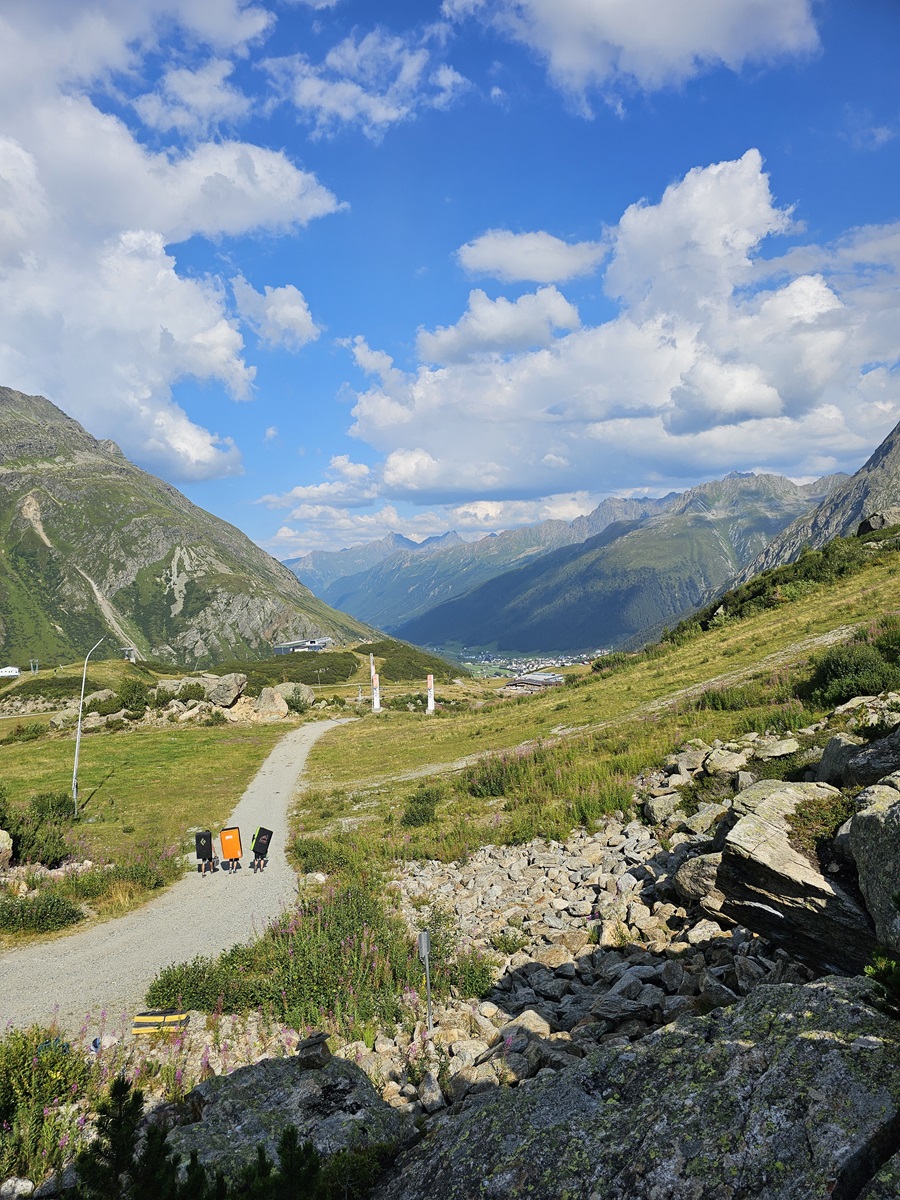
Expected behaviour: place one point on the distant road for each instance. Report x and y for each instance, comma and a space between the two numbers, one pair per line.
109, 966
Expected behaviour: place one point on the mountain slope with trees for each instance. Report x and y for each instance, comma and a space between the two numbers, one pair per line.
630, 580
874, 488
407, 578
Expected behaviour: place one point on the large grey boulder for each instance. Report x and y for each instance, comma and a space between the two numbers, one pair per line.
878, 759
879, 520
773, 889
875, 846
334, 1108
270, 706
837, 753
791, 1093
697, 879
301, 691
225, 690
5, 849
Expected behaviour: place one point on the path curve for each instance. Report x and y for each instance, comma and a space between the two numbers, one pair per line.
109, 966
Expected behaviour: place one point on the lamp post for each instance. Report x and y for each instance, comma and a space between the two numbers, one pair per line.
78, 734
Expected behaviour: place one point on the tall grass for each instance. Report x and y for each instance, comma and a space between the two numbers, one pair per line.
342, 960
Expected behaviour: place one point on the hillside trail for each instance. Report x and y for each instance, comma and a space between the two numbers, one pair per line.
778, 658
108, 967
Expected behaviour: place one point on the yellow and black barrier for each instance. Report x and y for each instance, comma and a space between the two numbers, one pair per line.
158, 1019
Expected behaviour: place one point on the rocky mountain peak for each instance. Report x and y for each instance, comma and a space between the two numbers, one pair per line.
874, 487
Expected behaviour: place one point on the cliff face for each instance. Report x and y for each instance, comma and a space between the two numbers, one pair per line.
93, 545
874, 487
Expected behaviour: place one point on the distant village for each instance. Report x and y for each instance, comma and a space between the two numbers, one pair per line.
497, 666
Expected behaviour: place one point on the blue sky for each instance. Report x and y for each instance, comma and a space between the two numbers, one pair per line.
334, 268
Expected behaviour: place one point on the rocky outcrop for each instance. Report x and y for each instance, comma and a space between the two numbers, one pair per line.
874, 488
792, 1093
298, 691
773, 888
875, 846
878, 759
333, 1106
226, 689
838, 752
879, 520
5, 849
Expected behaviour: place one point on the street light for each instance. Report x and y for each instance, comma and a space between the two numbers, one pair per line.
78, 734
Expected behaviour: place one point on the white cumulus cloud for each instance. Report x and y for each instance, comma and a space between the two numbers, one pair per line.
717, 358
500, 326
94, 311
648, 44
279, 315
536, 257
193, 101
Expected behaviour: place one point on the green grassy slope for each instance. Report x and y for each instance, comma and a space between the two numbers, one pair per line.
771, 639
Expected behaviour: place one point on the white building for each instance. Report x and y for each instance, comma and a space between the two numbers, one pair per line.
9, 672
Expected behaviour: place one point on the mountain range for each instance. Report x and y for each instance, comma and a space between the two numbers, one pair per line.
91, 546
606, 579
388, 582
628, 582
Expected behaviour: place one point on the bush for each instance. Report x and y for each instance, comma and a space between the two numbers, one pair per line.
323, 854
216, 717
26, 733
133, 696
39, 1075
856, 669
43, 913
297, 704
53, 806
422, 804
191, 691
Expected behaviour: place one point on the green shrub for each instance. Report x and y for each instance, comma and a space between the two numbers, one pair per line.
133, 696
89, 885
422, 804
856, 669
39, 1076
297, 703
43, 913
509, 941
216, 717
53, 806
26, 733
191, 691
814, 823
328, 855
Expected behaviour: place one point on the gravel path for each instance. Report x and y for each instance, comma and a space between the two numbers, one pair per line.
110, 965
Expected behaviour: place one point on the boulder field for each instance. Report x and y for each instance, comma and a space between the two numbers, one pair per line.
678, 1010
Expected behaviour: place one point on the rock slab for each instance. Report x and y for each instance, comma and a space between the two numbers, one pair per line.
334, 1108
792, 1093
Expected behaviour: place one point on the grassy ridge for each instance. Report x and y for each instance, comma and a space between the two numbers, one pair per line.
376, 751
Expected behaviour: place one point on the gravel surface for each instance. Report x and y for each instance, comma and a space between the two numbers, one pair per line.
109, 966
